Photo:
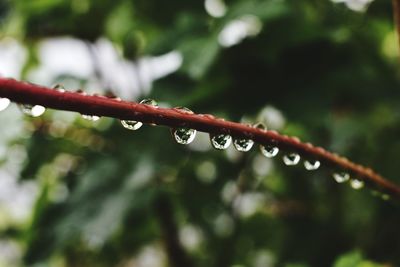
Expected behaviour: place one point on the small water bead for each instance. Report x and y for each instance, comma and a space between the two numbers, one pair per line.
221, 141
269, 151
59, 87
260, 125
135, 125
4, 103
183, 110
90, 117
356, 184
184, 136
243, 145
291, 159
341, 177
131, 125
149, 102
312, 165
32, 110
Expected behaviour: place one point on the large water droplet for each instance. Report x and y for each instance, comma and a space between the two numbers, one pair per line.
221, 141
312, 165
4, 103
32, 110
243, 145
291, 159
269, 151
131, 125
356, 184
184, 136
341, 177
90, 117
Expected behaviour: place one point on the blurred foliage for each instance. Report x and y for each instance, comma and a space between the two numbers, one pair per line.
107, 194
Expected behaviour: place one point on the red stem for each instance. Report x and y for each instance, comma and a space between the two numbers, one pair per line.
22, 92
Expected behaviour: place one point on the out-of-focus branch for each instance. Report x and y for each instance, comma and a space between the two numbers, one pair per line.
176, 254
22, 92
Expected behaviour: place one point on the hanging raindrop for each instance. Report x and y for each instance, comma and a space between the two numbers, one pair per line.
131, 125
221, 141
269, 151
4, 103
135, 125
341, 177
184, 136
356, 184
243, 145
32, 110
291, 159
312, 165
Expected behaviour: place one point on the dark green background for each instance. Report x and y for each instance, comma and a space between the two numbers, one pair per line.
331, 72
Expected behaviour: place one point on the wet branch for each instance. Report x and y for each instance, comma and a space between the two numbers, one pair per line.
22, 92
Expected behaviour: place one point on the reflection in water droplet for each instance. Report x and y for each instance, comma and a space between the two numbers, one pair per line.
90, 117
4, 103
149, 102
341, 177
291, 159
312, 165
32, 110
269, 151
59, 87
243, 145
184, 136
131, 125
356, 184
221, 141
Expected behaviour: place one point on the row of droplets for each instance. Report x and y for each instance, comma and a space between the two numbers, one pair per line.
186, 136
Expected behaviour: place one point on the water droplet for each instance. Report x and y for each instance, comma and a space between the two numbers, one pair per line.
149, 102
260, 125
243, 145
183, 110
131, 125
356, 184
341, 177
32, 110
80, 91
312, 165
291, 159
135, 125
4, 103
59, 87
184, 136
90, 117
221, 141
269, 151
